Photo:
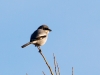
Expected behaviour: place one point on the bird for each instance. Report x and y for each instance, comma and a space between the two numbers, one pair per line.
39, 36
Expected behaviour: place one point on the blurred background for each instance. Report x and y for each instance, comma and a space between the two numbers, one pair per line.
75, 36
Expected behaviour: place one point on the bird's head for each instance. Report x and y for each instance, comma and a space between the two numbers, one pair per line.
45, 28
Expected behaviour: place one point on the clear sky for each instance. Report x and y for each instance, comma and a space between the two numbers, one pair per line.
75, 36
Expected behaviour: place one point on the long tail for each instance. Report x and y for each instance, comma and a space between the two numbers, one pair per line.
26, 44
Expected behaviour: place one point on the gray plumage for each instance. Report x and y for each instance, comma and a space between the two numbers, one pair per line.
39, 36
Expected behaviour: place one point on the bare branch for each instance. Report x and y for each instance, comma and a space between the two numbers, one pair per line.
40, 51
55, 63
26, 74
58, 68
72, 71
43, 73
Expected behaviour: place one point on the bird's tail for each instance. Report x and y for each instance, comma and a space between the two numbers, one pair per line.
26, 44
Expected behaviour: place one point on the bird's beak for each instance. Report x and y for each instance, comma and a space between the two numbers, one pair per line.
50, 30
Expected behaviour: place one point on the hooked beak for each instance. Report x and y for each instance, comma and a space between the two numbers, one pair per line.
50, 30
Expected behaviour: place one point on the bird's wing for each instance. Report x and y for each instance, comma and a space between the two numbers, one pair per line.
38, 34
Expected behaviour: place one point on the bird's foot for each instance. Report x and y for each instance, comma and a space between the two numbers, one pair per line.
39, 49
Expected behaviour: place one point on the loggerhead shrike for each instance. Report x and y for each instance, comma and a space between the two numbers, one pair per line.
39, 36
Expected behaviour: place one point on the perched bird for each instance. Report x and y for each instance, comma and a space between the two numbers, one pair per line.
39, 36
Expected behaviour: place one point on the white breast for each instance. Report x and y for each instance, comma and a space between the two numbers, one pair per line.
42, 41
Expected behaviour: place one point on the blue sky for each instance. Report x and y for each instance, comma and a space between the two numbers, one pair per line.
75, 36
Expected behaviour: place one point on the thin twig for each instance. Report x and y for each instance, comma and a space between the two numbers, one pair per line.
43, 73
58, 68
26, 74
40, 51
72, 71
55, 63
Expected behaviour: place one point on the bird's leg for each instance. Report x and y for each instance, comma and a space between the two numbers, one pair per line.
39, 49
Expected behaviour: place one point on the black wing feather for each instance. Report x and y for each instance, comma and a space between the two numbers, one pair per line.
35, 36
